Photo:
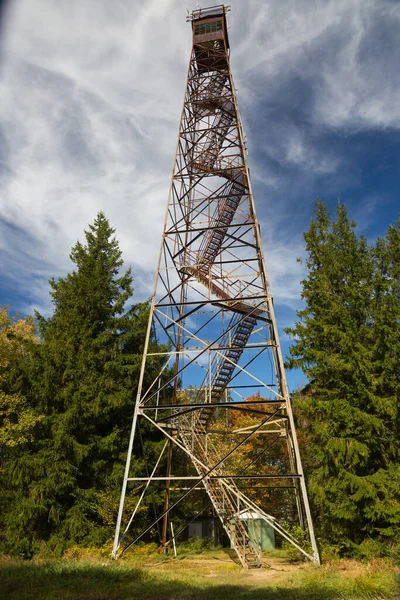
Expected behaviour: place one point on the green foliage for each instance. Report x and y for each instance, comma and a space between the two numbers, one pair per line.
348, 344
64, 487
195, 545
301, 536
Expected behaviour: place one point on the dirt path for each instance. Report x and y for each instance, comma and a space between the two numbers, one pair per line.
274, 569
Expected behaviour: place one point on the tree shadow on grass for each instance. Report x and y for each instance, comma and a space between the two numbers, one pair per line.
84, 581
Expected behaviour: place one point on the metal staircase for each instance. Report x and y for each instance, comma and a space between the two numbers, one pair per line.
223, 366
221, 220
239, 328
215, 136
225, 501
224, 362
210, 94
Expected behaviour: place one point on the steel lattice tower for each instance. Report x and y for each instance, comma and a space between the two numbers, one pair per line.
212, 310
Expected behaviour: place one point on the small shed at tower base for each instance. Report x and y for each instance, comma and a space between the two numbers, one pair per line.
261, 533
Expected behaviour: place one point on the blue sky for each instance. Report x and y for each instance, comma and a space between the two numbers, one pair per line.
90, 101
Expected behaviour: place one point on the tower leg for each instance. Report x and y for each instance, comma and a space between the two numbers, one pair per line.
125, 482
164, 548
292, 463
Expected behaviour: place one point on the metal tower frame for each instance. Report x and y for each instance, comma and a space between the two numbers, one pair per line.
213, 314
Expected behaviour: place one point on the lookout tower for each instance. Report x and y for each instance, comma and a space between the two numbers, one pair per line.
219, 396
210, 39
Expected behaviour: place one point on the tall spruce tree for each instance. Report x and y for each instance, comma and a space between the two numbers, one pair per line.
82, 381
383, 513
347, 343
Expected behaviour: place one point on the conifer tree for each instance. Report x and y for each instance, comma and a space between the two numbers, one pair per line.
384, 512
83, 381
343, 342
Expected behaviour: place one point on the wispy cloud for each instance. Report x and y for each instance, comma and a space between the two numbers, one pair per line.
90, 102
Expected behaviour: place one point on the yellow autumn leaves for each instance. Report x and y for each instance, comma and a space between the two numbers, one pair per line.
17, 419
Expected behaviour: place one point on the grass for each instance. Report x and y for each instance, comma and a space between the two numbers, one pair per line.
209, 576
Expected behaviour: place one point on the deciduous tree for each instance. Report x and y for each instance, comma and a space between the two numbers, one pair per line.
17, 419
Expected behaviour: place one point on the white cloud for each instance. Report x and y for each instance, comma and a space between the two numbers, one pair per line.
348, 48
91, 97
284, 270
